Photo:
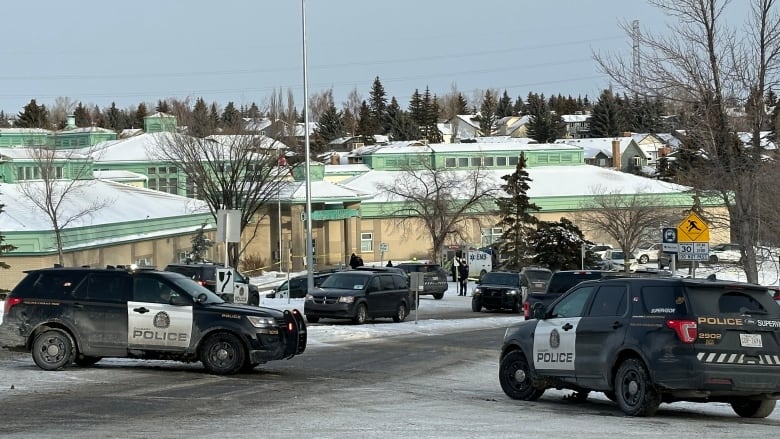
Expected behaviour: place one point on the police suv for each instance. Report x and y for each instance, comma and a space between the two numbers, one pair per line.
644, 341
81, 315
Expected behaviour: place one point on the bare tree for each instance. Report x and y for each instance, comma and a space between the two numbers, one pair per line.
713, 71
58, 190
446, 201
62, 108
352, 107
626, 218
319, 103
228, 171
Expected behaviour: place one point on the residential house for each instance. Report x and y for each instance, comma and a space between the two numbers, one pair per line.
577, 125
621, 153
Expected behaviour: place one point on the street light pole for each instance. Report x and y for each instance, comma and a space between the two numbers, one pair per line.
309, 250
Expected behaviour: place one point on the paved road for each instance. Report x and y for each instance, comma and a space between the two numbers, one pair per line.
435, 386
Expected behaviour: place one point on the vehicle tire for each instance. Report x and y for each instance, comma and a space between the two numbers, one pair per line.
713, 259
749, 408
635, 393
476, 304
514, 374
400, 313
644, 259
223, 354
86, 360
361, 314
53, 349
438, 296
312, 319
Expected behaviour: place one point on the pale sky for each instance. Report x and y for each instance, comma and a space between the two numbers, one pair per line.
97, 52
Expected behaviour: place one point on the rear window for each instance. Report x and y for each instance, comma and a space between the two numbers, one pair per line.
561, 282
537, 275
49, 284
725, 300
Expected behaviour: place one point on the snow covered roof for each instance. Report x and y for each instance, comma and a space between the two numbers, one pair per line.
117, 175
24, 131
124, 203
502, 144
574, 118
593, 146
547, 181
321, 191
28, 154
346, 168
131, 149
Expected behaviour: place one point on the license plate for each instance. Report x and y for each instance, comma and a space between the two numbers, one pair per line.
538, 284
750, 340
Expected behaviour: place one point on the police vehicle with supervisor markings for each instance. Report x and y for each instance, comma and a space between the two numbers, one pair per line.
66, 315
647, 341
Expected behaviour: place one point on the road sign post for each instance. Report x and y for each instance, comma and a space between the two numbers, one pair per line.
693, 239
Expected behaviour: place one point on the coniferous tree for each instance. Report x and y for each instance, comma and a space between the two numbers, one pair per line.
416, 110
214, 119
97, 117
517, 220
543, 125
200, 123
519, 106
366, 126
377, 103
462, 107
558, 246
504, 107
81, 115
200, 245
253, 111
115, 118
231, 118
162, 106
4, 248
33, 116
331, 124
4, 120
487, 114
605, 119
432, 122
139, 115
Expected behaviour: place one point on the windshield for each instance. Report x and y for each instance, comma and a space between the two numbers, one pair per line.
345, 281
195, 289
509, 279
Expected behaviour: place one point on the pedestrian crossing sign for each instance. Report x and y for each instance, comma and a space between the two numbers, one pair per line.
693, 229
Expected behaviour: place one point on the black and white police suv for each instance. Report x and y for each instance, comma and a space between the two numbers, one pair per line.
644, 341
81, 315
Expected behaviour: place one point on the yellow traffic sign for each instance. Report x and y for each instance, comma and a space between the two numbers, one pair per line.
693, 229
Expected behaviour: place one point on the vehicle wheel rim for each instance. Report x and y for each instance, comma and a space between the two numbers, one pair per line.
223, 354
632, 388
361, 314
53, 350
520, 376
401, 312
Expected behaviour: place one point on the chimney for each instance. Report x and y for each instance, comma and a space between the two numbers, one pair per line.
616, 154
70, 122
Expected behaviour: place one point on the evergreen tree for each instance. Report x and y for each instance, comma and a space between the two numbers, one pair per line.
138, 117
33, 116
200, 245
4, 248
366, 126
487, 114
214, 120
82, 116
432, 132
331, 124
253, 111
504, 107
543, 125
115, 118
558, 246
377, 103
416, 110
519, 107
200, 125
4, 120
97, 118
231, 118
517, 218
462, 107
162, 107
606, 120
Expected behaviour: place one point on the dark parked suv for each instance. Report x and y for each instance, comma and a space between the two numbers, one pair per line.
359, 295
498, 290
434, 277
205, 273
647, 341
296, 287
81, 315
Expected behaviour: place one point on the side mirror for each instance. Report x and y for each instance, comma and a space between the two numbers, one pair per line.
202, 297
539, 311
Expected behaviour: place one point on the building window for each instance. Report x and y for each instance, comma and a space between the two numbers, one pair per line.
449, 162
476, 162
491, 235
487, 161
513, 161
637, 161
463, 162
144, 261
366, 242
500, 161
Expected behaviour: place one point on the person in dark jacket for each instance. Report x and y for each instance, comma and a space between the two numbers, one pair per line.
353, 261
389, 263
463, 277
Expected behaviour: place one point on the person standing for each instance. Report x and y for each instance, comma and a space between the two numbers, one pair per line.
389, 263
353, 261
463, 277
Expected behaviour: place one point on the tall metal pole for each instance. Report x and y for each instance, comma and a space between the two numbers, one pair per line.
309, 250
